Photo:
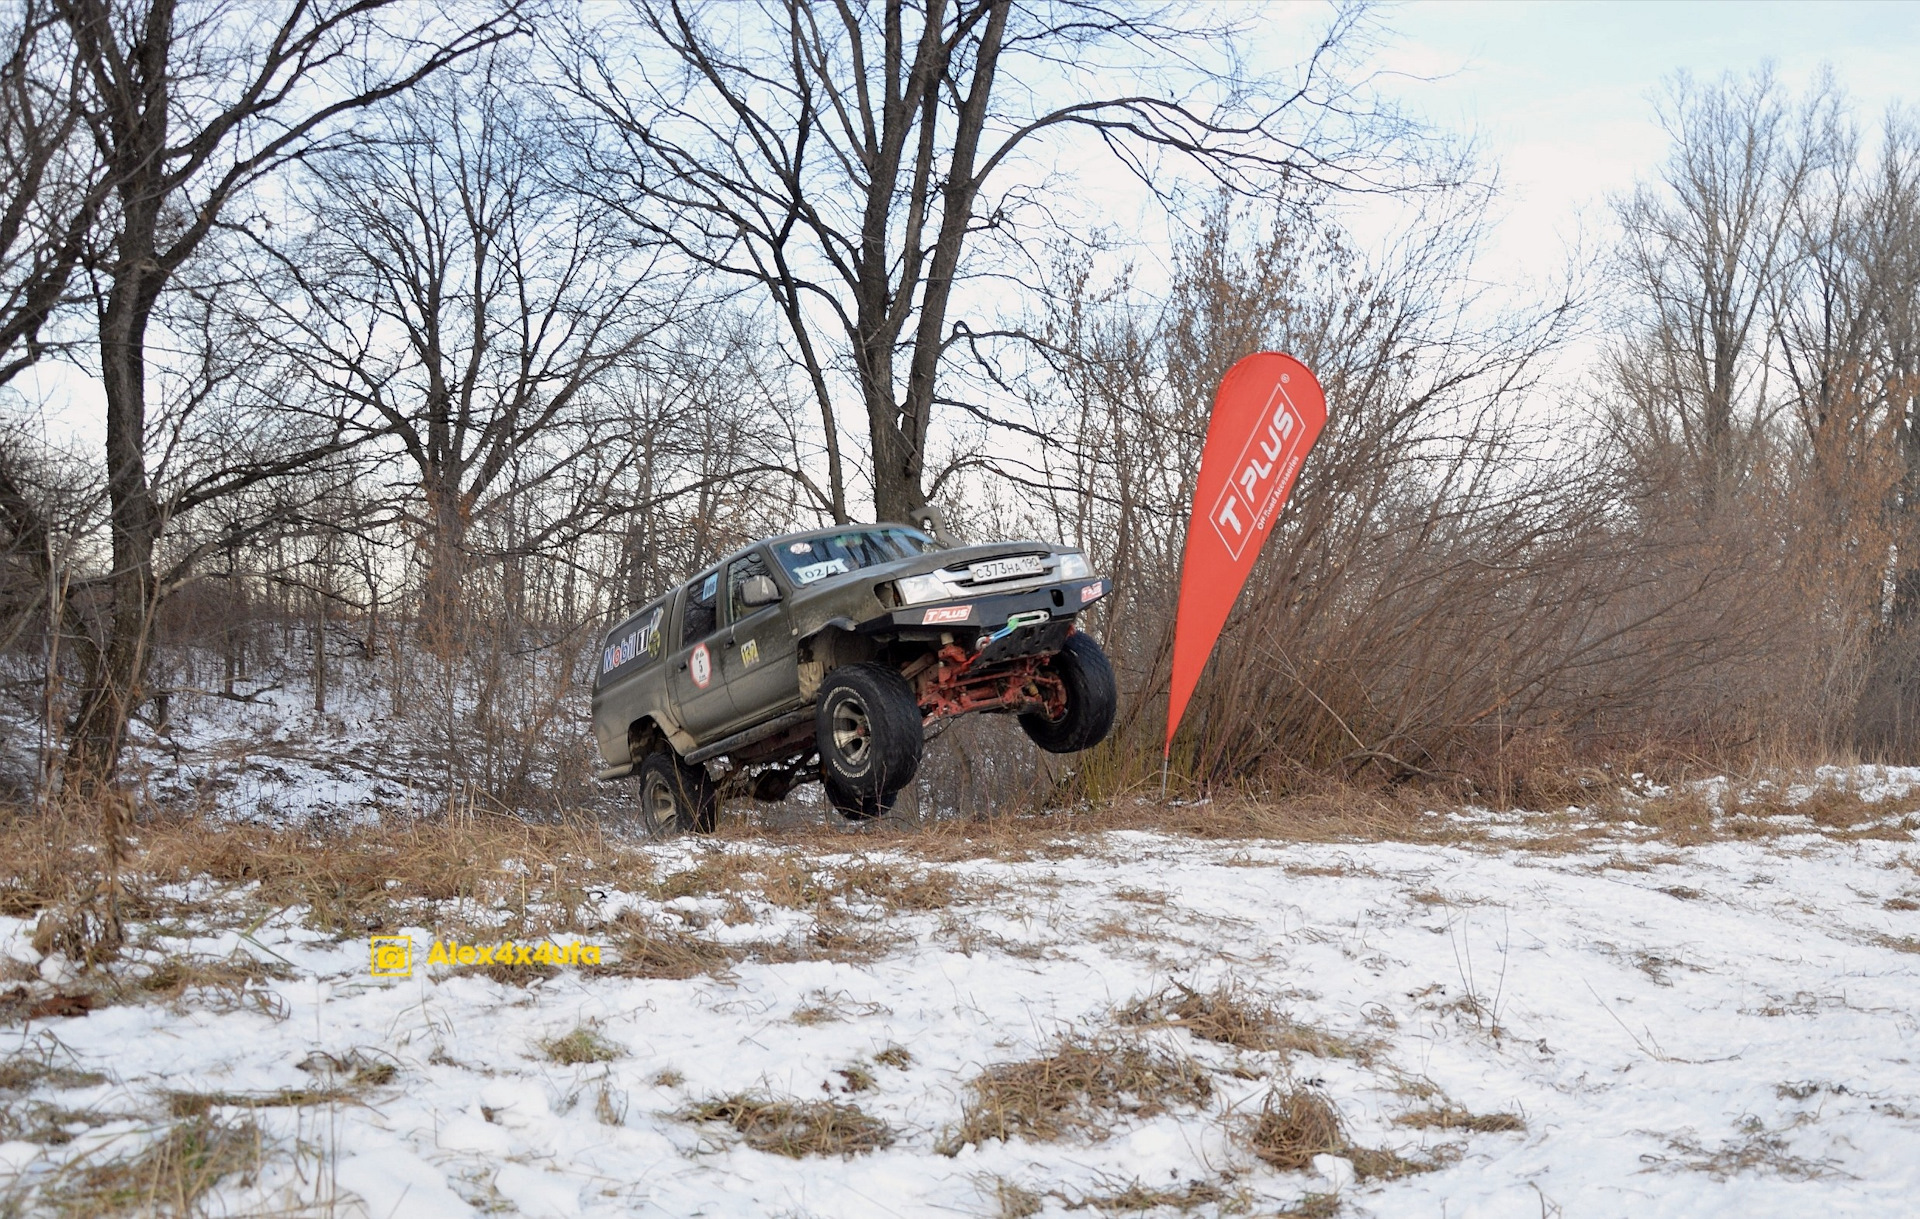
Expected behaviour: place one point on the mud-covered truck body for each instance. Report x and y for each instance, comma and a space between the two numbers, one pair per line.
824, 654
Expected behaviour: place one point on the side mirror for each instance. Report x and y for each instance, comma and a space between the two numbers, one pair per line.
759, 590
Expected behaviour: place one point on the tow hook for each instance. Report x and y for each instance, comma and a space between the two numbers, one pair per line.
1029, 618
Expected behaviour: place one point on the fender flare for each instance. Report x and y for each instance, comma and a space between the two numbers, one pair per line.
652, 724
840, 622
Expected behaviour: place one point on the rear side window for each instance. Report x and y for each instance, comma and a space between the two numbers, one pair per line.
635, 643
701, 616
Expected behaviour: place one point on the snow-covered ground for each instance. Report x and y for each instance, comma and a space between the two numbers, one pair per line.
1729, 1028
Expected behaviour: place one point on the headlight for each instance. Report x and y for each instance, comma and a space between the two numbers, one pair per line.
1074, 566
915, 589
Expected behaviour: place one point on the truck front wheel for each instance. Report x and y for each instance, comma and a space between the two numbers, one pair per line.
676, 798
1083, 669
868, 730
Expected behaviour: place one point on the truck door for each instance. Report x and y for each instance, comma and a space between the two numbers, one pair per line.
760, 663
699, 688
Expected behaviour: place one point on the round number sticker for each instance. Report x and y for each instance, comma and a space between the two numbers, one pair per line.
701, 666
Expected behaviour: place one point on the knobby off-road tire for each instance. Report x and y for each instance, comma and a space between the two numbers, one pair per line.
1091, 697
868, 730
676, 798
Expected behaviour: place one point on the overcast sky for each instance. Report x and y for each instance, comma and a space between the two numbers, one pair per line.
1560, 94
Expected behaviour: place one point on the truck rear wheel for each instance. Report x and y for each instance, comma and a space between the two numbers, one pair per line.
1091, 696
676, 798
859, 808
868, 730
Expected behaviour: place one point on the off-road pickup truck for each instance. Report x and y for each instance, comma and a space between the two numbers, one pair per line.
826, 654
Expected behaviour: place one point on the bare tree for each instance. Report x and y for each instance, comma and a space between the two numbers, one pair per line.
457, 295
50, 189
1704, 251
1850, 348
873, 169
187, 107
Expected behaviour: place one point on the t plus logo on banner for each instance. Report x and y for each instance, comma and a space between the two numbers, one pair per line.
1266, 416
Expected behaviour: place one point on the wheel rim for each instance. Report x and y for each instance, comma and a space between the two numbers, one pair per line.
852, 734
657, 804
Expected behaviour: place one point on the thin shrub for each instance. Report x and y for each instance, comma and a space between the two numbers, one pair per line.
1079, 1087
795, 1128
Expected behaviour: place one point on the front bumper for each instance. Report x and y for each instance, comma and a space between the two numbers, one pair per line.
969, 618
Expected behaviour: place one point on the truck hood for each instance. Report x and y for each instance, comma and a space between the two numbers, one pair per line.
954, 562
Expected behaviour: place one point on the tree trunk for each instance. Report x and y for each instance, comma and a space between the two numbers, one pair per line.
116, 680
319, 650
446, 566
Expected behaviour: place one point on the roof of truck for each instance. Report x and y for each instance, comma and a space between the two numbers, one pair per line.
674, 586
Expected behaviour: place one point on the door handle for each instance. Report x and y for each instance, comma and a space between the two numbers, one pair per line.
729, 643
683, 666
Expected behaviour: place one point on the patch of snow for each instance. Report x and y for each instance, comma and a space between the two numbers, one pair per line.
1728, 1028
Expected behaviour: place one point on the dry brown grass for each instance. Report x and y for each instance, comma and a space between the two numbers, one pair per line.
1320, 810
1689, 813
200, 1104
790, 880
966, 937
356, 1067
168, 1176
367, 879
540, 880
25, 1119
829, 1007
583, 1045
1077, 1088
1137, 1195
1231, 1014
1832, 806
1012, 1200
47, 1124
1228, 1014
1324, 869
221, 984
34, 1067
645, 948
1683, 814
50, 860
1299, 1123
1295, 1126
1755, 1149
834, 939
795, 1128
1453, 1117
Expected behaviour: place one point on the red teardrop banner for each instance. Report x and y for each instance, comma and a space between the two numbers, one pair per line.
1266, 416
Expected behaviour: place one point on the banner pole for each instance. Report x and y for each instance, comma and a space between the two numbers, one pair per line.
1165, 754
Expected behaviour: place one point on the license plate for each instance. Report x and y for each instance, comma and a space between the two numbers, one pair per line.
1006, 569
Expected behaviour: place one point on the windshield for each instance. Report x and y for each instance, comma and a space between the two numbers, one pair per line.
813, 559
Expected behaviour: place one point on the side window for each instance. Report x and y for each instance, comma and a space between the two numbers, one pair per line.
701, 616
738, 574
